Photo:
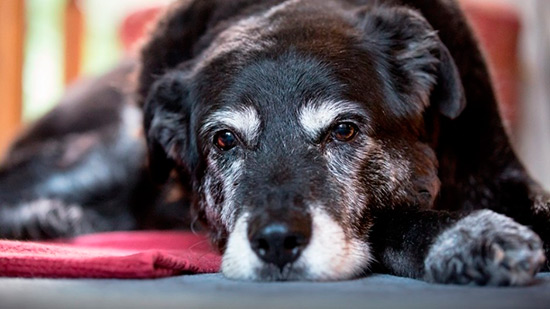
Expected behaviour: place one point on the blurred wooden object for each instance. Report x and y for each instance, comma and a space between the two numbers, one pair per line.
12, 29
74, 33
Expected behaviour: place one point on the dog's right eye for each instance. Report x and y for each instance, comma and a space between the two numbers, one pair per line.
344, 132
225, 140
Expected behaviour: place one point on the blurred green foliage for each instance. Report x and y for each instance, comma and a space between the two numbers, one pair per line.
43, 67
43, 81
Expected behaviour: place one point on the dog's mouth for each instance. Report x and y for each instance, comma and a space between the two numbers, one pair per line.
281, 253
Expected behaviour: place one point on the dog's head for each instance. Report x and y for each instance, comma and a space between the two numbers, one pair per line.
295, 124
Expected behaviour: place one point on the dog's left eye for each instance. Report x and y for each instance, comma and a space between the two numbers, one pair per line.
344, 132
225, 140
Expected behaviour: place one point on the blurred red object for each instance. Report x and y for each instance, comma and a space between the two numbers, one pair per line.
135, 27
124, 255
497, 25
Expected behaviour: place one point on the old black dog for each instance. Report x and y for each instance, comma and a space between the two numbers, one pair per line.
315, 140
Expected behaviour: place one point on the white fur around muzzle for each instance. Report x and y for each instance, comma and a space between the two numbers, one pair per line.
330, 255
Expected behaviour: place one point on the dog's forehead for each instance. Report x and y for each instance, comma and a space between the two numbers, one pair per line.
283, 93
285, 76
283, 83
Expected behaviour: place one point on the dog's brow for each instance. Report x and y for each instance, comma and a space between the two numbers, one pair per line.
245, 120
316, 117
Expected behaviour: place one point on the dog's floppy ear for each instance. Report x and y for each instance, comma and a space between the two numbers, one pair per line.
448, 93
172, 41
167, 127
418, 66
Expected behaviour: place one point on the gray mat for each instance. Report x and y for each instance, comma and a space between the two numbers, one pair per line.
213, 291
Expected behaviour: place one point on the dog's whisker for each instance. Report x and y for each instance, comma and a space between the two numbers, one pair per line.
192, 225
200, 243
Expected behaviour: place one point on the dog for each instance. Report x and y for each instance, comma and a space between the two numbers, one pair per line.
314, 140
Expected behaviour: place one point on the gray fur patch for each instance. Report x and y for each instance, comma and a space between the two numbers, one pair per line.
485, 248
44, 218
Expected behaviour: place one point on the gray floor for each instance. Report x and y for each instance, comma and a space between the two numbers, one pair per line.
213, 291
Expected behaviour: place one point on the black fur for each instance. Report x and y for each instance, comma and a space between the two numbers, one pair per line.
412, 66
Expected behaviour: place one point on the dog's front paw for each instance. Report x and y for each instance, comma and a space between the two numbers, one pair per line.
485, 248
43, 219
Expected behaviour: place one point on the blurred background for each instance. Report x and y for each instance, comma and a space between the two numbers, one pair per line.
45, 45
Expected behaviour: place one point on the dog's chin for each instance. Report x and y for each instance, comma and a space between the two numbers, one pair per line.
330, 255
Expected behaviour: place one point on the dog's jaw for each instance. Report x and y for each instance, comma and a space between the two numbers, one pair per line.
330, 255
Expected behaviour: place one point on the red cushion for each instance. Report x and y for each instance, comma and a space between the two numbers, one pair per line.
110, 255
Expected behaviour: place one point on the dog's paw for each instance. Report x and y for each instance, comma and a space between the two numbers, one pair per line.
43, 219
485, 248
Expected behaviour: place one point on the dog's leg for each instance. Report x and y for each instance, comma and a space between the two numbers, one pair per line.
81, 167
71, 185
44, 219
483, 247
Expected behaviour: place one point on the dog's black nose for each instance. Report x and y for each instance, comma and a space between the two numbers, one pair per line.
279, 244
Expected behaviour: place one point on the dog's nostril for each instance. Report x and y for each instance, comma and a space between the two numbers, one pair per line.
263, 247
277, 244
294, 243
290, 243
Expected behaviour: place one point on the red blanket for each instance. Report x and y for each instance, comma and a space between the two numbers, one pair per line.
110, 255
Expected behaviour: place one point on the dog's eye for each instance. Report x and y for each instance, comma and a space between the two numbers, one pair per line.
225, 140
344, 132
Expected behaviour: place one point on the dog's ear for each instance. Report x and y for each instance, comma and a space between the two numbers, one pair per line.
172, 41
167, 127
448, 93
419, 67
